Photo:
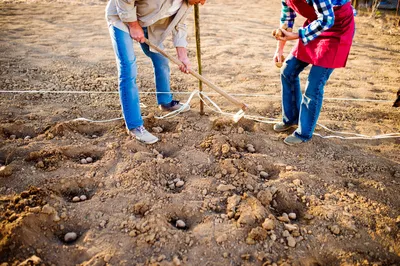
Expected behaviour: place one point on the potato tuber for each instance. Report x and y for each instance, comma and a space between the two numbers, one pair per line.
279, 64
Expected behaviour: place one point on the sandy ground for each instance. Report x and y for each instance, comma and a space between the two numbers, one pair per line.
245, 198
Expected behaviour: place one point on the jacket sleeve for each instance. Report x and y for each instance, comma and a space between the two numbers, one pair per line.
325, 20
126, 10
179, 33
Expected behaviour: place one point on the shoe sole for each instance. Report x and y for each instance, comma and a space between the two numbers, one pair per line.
147, 142
289, 143
141, 141
285, 129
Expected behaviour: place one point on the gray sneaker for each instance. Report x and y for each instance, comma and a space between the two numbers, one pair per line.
292, 140
142, 135
173, 106
281, 127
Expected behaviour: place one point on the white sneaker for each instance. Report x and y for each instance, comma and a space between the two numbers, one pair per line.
173, 106
142, 135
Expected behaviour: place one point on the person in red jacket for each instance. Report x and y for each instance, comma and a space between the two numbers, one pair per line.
323, 42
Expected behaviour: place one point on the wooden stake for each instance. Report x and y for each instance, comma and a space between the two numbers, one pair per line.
198, 52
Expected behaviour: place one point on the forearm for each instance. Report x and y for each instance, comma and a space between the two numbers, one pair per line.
280, 45
181, 52
325, 20
287, 15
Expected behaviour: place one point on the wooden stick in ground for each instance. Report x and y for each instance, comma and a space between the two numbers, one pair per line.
198, 52
199, 77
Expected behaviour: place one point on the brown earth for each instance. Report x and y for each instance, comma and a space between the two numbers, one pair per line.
239, 180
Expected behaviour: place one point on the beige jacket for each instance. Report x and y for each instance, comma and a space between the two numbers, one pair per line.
150, 13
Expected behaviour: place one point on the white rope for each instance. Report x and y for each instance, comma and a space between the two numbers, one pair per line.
217, 109
274, 121
177, 112
188, 93
103, 121
97, 121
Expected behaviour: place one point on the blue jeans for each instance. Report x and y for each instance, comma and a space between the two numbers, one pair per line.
301, 109
127, 74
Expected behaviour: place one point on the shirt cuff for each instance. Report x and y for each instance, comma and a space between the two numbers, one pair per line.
302, 36
180, 43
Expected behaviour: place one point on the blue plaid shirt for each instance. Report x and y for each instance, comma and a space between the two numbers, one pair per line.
325, 18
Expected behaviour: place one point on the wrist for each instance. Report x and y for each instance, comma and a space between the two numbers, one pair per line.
133, 24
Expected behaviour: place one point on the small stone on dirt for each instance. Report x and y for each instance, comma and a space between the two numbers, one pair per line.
222, 238
297, 182
268, 224
180, 183
335, 229
250, 148
157, 129
308, 216
225, 148
70, 237
291, 227
245, 256
180, 224
291, 242
286, 233
264, 175
224, 188
176, 261
56, 218
5, 171
256, 234
265, 197
83, 197
48, 209
35, 209
284, 218
40, 164
292, 216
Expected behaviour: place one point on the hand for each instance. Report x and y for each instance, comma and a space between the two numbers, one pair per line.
287, 36
136, 31
279, 58
182, 56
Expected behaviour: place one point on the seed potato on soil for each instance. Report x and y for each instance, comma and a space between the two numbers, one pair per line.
211, 192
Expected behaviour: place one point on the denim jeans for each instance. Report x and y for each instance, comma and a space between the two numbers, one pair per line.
298, 108
127, 74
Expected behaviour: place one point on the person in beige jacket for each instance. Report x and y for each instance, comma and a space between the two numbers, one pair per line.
135, 20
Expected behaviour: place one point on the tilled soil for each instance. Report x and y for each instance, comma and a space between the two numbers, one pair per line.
211, 192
